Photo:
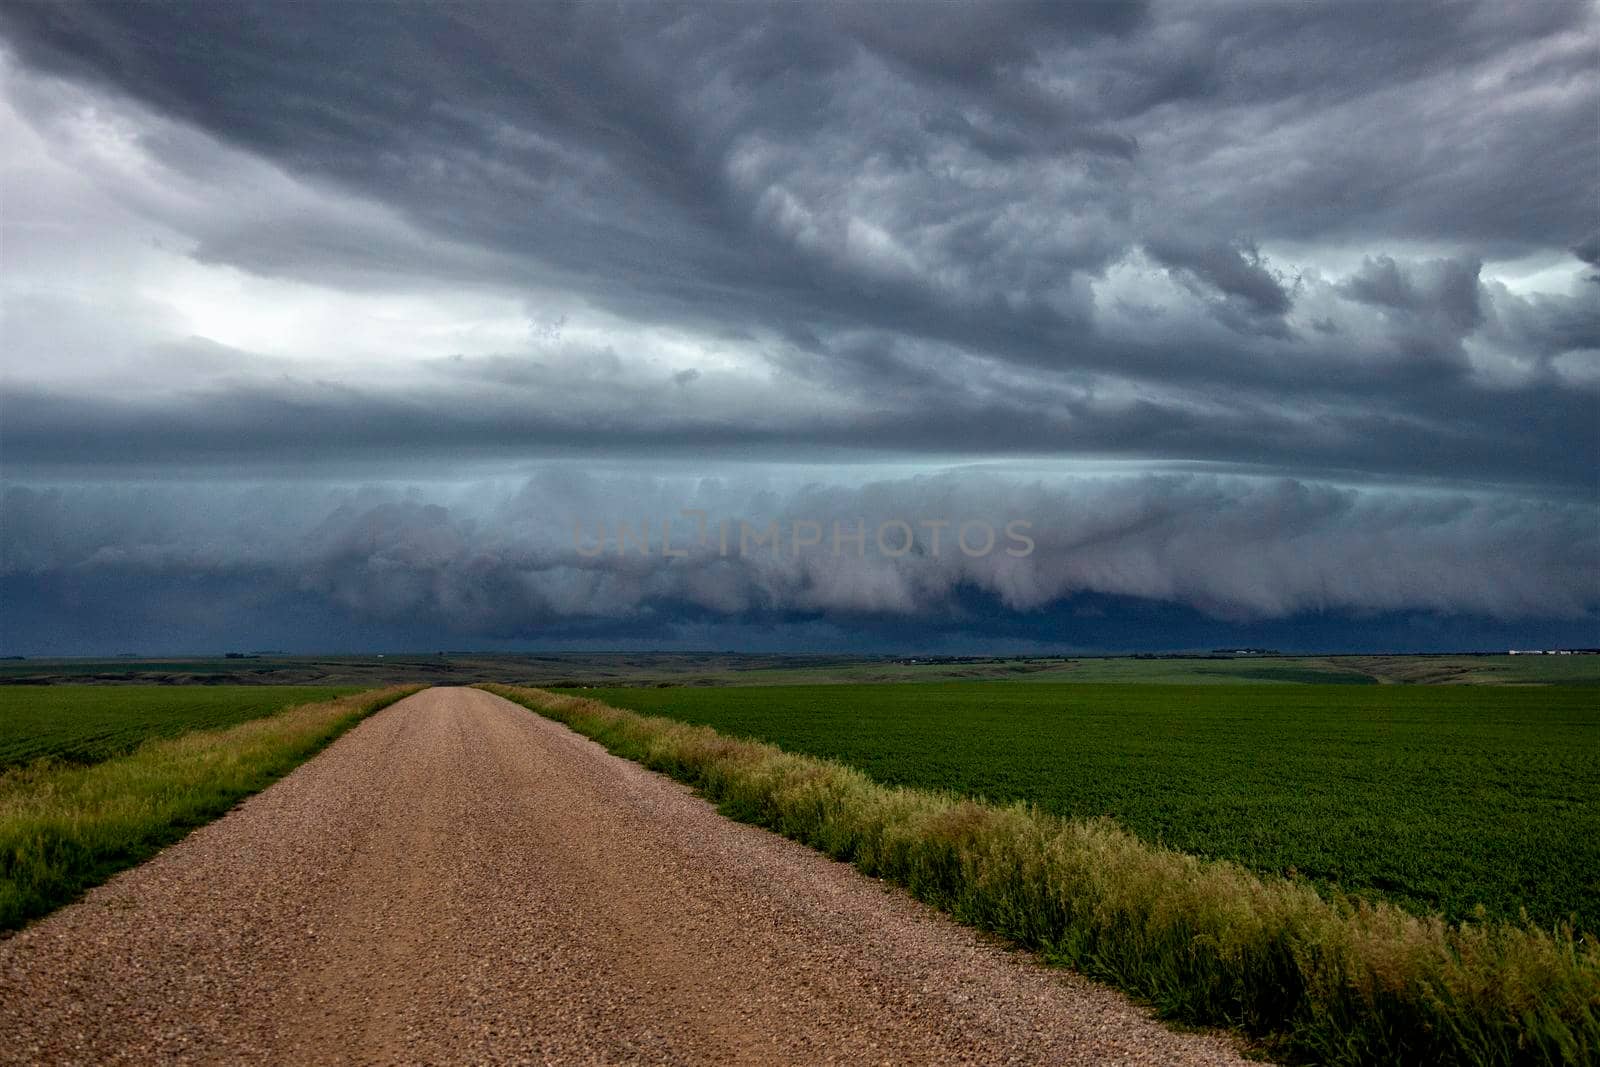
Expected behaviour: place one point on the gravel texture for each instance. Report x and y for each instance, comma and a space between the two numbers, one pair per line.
460, 880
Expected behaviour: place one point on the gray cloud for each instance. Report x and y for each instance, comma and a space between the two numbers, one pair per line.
1442, 289
502, 559
1389, 389
1302, 242
1234, 271
555, 128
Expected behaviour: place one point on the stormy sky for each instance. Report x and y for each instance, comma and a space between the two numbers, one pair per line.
352, 326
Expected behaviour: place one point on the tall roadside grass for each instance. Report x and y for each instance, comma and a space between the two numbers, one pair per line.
65, 828
1209, 943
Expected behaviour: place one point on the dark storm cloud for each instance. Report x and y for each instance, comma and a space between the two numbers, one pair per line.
1233, 271
508, 410
1447, 289
1385, 390
1337, 242
647, 145
366, 93
502, 560
1588, 250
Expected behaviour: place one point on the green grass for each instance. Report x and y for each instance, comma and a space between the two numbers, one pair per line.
1205, 942
90, 723
67, 827
1437, 798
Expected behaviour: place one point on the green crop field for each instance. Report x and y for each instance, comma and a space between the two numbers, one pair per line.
1440, 798
91, 723
568, 669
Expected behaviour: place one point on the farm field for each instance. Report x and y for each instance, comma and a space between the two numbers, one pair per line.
91, 723
567, 669
1439, 798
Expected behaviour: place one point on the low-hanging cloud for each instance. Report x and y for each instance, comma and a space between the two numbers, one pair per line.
501, 559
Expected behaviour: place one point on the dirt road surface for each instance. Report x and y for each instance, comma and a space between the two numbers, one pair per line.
459, 880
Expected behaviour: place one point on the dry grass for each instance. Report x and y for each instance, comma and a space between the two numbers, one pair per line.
65, 828
1321, 980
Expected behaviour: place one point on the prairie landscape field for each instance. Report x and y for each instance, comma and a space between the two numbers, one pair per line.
865, 532
90, 723
616, 669
1441, 799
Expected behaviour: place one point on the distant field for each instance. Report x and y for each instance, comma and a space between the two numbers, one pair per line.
1337, 670
91, 723
1439, 798
729, 669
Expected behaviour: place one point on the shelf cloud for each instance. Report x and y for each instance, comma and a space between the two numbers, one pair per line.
1257, 314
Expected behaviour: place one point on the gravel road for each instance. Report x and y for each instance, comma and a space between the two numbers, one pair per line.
459, 880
